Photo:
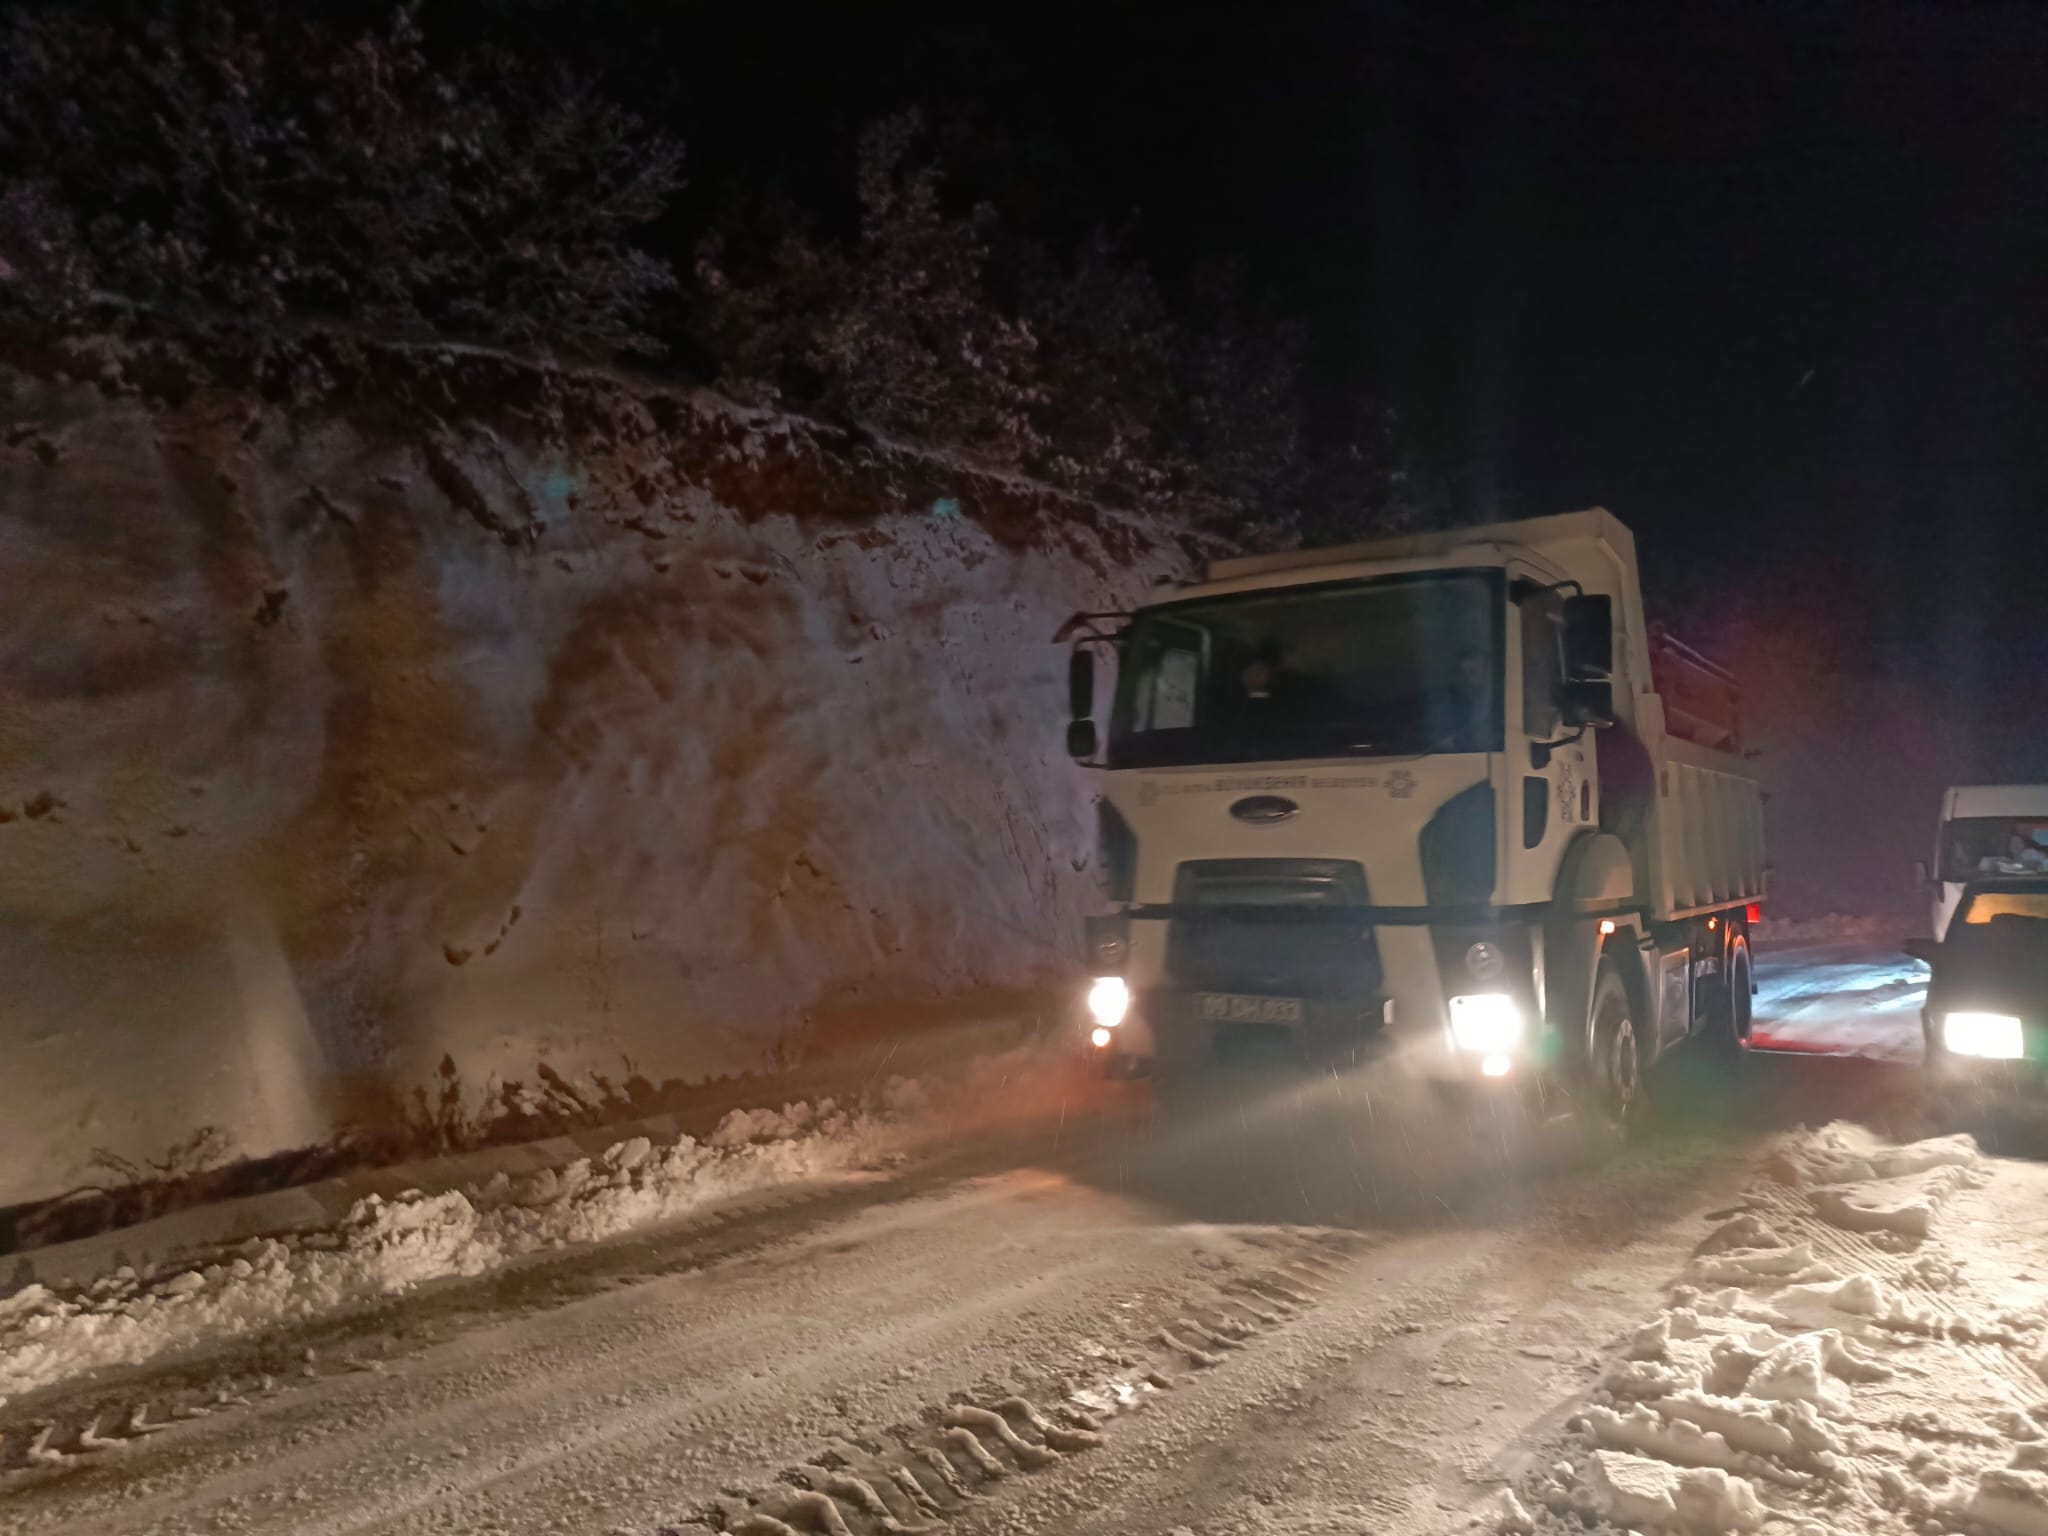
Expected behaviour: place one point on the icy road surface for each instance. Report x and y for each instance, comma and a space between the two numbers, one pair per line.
1300, 1308
1843, 998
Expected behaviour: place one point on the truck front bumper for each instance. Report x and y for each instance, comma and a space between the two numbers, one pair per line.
1462, 1002
1189, 1028
1167, 1030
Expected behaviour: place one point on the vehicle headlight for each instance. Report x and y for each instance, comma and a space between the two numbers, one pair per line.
1108, 1001
1486, 1023
1992, 1035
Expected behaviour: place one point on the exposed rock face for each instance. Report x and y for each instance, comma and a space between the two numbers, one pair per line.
509, 720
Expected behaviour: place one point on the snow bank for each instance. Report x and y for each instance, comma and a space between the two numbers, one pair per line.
1831, 928
1636, 1492
1752, 1266
388, 1246
1842, 1153
1821, 1374
2007, 1499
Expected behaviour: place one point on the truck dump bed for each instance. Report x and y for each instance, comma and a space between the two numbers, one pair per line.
1707, 836
1701, 701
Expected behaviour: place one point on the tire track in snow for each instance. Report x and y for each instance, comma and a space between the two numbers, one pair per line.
630, 1361
644, 1390
837, 1493
1899, 1263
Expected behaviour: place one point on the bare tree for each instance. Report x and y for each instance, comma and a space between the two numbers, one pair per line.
244, 168
893, 329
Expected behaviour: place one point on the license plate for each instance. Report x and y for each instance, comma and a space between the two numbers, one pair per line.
1231, 1008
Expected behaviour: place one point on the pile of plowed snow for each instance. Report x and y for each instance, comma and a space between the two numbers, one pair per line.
1831, 928
386, 1246
1856, 1353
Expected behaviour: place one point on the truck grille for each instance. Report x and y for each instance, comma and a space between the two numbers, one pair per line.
1272, 927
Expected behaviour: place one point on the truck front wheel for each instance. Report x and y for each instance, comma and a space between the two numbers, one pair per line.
1617, 1059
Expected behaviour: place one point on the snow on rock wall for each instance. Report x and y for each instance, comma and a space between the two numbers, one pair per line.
509, 718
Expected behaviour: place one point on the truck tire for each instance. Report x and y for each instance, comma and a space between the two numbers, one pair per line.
1741, 991
1729, 1034
1615, 1082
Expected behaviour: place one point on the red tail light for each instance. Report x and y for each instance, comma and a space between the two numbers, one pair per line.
1754, 912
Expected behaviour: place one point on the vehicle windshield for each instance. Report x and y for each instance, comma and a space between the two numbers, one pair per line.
1995, 845
1394, 666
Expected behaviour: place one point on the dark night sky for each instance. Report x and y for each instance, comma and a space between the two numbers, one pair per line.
1771, 283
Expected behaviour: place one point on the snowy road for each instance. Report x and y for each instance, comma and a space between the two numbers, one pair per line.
1308, 1310
1841, 998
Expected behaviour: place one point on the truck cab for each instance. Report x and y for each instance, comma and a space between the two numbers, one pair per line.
1985, 831
1418, 802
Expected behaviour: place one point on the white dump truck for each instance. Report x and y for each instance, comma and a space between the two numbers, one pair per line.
1446, 802
1986, 831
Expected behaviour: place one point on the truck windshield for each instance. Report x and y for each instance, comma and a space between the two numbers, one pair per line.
1394, 666
1994, 845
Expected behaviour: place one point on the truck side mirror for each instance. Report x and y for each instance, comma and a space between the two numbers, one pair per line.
1081, 742
1081, 685
1920, 875
1588, 702
1589, 638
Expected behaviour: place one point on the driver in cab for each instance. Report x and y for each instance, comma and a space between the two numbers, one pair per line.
1266, 686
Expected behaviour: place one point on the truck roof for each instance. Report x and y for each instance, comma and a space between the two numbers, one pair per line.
1531, 533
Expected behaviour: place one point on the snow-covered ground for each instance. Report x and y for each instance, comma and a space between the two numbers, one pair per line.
130, 1314
1845, 997
1312, 1309
1857, 1349
386, 1247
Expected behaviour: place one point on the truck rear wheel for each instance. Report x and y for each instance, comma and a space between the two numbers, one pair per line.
1617, 1066
1729, 1032
1741, 993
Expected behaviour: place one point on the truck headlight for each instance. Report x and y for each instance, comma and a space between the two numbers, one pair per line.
1995, 1036
1108, 1001
1486, 1023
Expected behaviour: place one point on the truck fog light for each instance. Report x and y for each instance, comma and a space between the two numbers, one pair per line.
1099, 1037
1485, 961
1495, 1065
1993, 1035
1108, 1001
1486, 1023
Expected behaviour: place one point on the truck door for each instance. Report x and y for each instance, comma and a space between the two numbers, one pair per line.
1549, 792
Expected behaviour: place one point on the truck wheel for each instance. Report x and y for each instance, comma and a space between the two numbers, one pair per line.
1730, 1031
1741, 992
1616, 1084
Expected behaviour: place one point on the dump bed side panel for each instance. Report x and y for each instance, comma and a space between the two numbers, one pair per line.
1707, 836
